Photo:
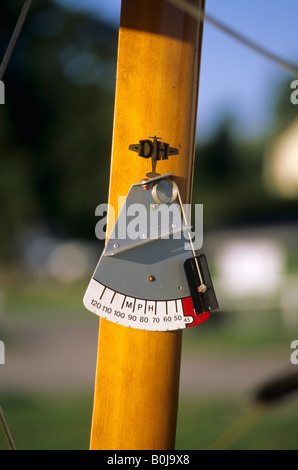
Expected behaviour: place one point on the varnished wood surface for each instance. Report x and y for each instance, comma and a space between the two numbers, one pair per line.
137, 376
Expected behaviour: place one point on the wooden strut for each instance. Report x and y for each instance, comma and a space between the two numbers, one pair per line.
137, 376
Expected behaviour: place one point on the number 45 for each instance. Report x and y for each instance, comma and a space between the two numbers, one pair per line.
294, 355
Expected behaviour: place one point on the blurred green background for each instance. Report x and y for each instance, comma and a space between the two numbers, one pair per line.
55, 141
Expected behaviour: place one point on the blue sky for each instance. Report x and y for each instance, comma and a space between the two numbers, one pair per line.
234, 80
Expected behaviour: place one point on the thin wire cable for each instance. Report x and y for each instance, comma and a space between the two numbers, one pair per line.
238, 429
185, 221
6, 431
199, 14
14, 37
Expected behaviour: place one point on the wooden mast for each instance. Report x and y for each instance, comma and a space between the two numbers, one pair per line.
137, 376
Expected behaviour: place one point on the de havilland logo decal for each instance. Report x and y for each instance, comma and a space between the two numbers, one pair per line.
154, 149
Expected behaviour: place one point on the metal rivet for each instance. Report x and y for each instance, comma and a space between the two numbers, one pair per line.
145, 186
116, 245
151, 278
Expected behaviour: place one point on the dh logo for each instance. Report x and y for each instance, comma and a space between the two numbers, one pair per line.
2, 92
154, 149
2, 353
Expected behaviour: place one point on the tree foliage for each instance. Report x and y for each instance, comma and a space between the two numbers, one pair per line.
56, 124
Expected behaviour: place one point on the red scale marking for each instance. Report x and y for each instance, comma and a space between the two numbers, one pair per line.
189, 311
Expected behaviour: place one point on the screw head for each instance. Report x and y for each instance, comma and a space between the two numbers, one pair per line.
145, 186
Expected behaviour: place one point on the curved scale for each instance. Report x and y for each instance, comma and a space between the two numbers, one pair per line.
152, 315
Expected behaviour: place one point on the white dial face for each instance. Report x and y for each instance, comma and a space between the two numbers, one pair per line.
138, 313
